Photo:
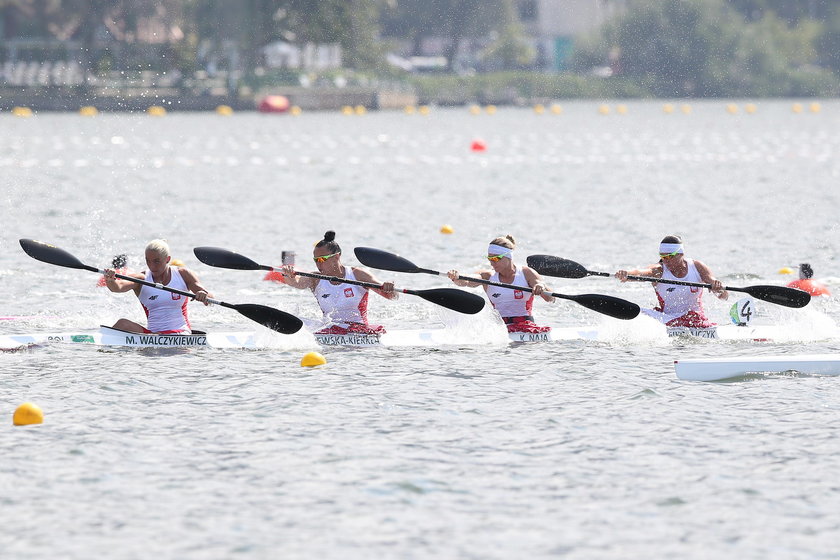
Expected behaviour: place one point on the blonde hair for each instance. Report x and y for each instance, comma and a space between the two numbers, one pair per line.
159, 246
506, 241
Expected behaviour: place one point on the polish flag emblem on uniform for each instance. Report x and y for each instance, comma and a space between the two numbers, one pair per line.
348, 292
518, 294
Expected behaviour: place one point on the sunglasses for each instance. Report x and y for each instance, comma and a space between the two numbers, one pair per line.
324, 258
669, 255
497, 258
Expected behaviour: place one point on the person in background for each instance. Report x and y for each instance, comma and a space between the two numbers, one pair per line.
118, 264
514, 306
166, 312
343, 305
807, 283
679, 306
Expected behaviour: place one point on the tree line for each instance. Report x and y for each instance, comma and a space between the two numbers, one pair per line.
665, 47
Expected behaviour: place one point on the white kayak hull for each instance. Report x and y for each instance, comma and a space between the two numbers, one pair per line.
717, 369
112, 337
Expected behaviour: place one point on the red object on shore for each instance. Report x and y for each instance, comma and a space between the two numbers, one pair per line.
274, 276
274, 104
478, 146
811, 286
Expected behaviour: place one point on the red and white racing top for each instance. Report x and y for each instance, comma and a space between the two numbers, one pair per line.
676, 301
165, 311
508, 302
342, 303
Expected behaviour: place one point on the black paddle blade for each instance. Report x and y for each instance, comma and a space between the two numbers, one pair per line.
376, 258
274, 319
556, 266
608, 305
222, 258
781, 295
47, 253
454, 299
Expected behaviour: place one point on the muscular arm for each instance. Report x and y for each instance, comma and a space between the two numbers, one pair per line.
653, 271
365, 276
453, 275
709, 278
118, 285
193, 285
295, 281
536, 282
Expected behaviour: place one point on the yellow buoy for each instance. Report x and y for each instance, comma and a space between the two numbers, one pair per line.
28, 413
347, 110
797, 108
686, 109
604, 109
539, 108
156, 111
621, 109
360, 110
786, 270
491, 109
731, 108
446, 228
750, 108
556, 109
409, 109
475, 110
424, 110
295, 111
668, 108
88, 111
815, 107
312, 359
224, 110
22, 112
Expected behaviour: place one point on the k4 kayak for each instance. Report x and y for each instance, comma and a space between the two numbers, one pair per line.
717, 369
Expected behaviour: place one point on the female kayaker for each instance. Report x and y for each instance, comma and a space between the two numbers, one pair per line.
513, 305
343, 305
807, 283
679, 306
166, 312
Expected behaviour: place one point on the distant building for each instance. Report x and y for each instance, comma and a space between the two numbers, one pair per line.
554, 24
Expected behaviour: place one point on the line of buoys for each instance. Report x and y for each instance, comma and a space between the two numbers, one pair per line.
27, 414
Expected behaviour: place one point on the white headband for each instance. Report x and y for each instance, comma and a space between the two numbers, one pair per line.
498, 250
665, 248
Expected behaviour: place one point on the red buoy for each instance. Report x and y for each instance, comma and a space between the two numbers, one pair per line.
478, 146
274, 104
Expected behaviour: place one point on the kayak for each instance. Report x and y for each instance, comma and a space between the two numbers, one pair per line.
716, 369
107, 336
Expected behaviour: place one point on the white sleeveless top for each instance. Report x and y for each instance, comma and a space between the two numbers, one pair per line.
342, 303
508, 302
165, 311
675, 301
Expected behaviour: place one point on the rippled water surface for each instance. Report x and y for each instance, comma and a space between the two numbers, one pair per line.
476, 449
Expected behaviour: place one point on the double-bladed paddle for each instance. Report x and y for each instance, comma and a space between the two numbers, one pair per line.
274, 319
564, 268
608, 305
451, 298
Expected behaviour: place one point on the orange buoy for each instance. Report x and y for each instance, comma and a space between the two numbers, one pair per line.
811, 286
274, 104
274, 276
478, 146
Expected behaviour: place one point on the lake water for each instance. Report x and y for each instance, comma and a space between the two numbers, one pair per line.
478, 449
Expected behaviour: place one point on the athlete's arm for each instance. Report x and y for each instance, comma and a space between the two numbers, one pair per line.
387, 290
290, 278
119, 285
536, 283
453, 275
709, 278
653, 271
193, 285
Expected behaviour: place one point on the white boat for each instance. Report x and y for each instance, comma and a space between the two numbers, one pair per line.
107, 336
716, 369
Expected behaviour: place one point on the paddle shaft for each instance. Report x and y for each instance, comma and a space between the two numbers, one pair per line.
665, 281
337, 279
164, 288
